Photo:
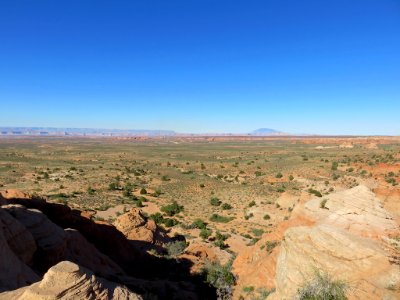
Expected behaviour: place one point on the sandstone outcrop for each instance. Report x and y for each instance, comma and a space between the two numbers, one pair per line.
18, 238
14, 273
135, 226
49, 238
344, 236
37, 239
357, 210
359, 261
67, 280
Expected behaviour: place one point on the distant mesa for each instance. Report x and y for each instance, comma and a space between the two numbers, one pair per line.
267, 132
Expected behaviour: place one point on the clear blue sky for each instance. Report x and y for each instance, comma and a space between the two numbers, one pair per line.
325, 67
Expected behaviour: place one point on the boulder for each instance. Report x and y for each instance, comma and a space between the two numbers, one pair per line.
67, 280
135, 226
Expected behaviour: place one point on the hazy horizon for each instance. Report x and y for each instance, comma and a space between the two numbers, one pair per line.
309, 67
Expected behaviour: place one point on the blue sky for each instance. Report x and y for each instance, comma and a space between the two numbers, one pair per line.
324, 67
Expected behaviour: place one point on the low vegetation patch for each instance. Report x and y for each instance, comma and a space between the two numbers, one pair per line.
172, 209
215, 201
315, 192
220, 277
323, 287
220, 219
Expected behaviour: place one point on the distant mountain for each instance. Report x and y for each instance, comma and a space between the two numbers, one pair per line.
266, 131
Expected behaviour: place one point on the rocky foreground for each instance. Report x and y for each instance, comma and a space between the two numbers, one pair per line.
348, 235
49, 251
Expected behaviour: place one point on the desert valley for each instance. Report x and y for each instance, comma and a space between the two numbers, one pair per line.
199, 217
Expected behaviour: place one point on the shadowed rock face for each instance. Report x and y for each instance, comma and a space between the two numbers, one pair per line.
14, 272
18, 238
36, 237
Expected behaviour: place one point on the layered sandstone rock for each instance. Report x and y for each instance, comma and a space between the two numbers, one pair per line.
359, 261
357, 210
67, 280
348, 241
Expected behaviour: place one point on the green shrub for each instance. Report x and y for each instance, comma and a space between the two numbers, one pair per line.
226, 206
90, 190
334, 166
113, 186
172, 209
279, 175
143, 191
165, 178
267, 217
175, 248
248, 289
315, 192
220, 277
169, 222
280, 190
157, 217
215, 201
323, 287
205, 233
220, 219
270, 245
252, 203
250, 215
198, 223
257, 232
323, 203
